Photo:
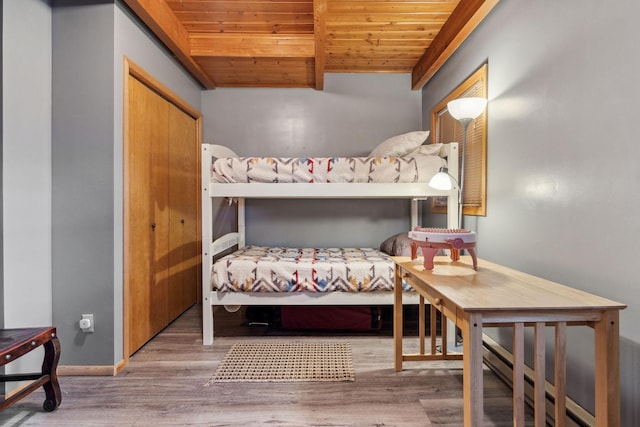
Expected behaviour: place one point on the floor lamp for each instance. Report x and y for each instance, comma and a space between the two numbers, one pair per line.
464, 110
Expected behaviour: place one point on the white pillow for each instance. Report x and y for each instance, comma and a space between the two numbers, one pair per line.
400, 145
427, 150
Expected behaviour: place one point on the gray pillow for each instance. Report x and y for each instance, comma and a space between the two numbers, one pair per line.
397, 245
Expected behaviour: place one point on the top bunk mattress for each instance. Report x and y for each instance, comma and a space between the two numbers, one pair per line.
393, 169
280, 269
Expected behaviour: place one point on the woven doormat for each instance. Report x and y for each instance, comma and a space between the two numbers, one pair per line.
286, 362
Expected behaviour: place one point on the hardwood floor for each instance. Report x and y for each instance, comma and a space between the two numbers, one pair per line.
163, 385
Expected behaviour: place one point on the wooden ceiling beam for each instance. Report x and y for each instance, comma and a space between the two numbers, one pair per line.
253, 45
319, 31
464, 19
159, 17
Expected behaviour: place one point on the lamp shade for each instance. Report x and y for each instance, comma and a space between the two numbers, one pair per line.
466, 108
441, 180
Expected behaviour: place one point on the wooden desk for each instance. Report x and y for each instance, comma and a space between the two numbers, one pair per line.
499, 296
15, 343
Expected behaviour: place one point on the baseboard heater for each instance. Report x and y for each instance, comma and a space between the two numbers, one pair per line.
500, 361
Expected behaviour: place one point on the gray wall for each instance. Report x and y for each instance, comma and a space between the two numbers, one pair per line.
1, 173
350, 117
3, 389
26, 167
562, 162
83, 162
62, 166
88, 108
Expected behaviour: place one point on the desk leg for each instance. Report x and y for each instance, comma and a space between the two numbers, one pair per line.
472, 377
397, 320
607, 369
560, 374
50, 367
540, 376
518, 374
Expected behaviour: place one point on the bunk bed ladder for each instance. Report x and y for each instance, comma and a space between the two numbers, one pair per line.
207, 240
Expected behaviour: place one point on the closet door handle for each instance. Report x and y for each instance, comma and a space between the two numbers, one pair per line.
182, 221
153, 226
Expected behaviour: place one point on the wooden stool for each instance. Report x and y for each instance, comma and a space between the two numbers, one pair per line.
18, 342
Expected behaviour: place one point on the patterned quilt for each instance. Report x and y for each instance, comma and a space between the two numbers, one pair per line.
277, 269
418, 168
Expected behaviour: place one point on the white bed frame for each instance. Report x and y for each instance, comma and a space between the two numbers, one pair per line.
414, 192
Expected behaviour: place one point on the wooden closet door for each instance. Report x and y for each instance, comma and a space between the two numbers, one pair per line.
184, 252
148, 216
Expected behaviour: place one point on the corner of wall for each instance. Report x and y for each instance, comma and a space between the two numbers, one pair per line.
1, 182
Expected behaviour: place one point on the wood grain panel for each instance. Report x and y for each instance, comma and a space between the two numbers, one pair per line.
146, 252
261, 72
340, 35
320, 38
182, 187
348, 19
368, 51
159, 17
252, 45
257, 16
397, 7
161, 207
254, 17
463, 20
344, 65
241, 6
249, 28
384, 34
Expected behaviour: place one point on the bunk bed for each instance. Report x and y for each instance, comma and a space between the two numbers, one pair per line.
217, 158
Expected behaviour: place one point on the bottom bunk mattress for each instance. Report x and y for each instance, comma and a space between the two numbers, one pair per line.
280, 269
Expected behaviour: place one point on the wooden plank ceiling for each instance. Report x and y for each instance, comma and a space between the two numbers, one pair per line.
292, 43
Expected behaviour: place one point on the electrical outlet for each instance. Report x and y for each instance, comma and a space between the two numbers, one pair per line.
86, 323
